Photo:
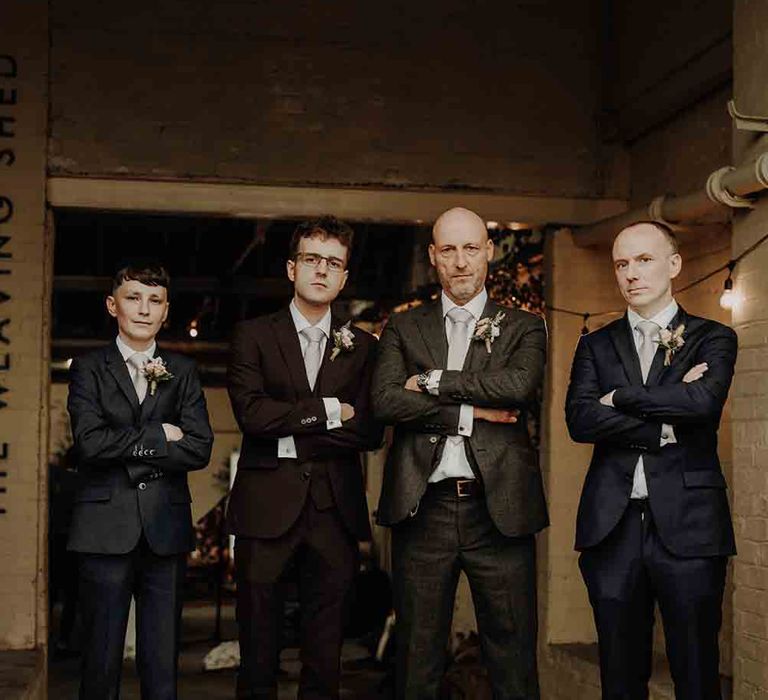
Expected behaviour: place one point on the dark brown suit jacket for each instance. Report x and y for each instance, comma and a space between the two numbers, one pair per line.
271, 398
507, 377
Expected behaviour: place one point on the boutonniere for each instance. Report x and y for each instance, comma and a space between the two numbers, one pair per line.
488, 329
671, 341
343, 340
155, 372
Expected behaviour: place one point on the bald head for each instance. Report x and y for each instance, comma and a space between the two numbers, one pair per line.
458, 218
460, 252
652, 229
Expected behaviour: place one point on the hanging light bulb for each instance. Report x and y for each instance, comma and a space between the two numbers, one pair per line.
729, 298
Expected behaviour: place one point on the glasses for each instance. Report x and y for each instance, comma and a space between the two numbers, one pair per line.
313, 260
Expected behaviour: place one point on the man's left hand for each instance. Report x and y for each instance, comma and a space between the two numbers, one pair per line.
411, 384
607, 400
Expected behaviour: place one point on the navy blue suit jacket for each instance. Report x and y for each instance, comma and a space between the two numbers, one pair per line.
686, 487
120, 443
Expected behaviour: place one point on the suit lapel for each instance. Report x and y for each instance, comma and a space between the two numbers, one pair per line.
432, 329
117, 368
657, 370
150, 400
290, 348
621, 335
328, 374
477, 354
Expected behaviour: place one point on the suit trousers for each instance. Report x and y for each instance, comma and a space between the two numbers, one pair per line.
324, 556
625, 575
107, 582
447, 535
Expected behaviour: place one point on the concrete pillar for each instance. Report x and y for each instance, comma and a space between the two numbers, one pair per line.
580, 279
24, 312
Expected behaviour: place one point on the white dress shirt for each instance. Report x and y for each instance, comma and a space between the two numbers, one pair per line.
454, 463
126, 351
286, 446
663, 319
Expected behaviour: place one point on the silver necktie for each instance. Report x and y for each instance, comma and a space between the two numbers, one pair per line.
648, 345
458, 337
313, 355
137, 361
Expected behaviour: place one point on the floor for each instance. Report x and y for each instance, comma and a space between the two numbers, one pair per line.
363, 678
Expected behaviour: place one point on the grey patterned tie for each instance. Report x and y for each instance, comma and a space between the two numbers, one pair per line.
136, 361
313, 355
458, 337
648, 345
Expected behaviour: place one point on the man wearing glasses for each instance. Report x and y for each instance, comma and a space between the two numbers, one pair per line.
299, 383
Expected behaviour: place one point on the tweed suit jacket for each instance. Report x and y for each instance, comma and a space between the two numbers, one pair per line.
501, 454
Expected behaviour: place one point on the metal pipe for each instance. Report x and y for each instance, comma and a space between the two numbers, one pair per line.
726, 188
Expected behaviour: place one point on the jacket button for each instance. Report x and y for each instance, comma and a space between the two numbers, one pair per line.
305, 476
433, 439
142, 486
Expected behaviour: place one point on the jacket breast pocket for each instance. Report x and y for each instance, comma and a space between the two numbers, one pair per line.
94, 494
704, 479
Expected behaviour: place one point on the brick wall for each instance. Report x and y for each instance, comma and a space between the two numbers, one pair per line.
437, 94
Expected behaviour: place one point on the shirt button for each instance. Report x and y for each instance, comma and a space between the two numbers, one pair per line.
305, 476
433, 439
665, 436
142, 486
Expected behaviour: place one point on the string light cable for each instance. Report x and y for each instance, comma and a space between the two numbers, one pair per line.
728, 299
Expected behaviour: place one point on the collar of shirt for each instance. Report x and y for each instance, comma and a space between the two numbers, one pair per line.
474, 306
324, 324
126, 351
663, 318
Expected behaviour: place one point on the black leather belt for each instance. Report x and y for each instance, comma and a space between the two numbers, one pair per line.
463, 488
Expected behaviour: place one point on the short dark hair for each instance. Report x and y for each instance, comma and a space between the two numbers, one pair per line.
325, 227
663, 228
149, 272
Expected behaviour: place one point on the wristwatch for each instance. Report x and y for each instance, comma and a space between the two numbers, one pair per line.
422, 381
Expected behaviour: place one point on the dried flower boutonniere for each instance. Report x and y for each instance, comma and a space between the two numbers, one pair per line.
488, 329
155, 371
671, 341
343, 340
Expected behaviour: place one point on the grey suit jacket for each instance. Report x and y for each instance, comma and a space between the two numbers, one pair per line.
507, 377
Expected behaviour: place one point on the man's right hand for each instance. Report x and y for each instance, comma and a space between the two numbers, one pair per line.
172, 432
496, 415
695, 373
347, 412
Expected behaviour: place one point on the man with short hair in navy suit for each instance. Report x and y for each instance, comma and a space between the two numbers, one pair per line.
653, 524
139, 423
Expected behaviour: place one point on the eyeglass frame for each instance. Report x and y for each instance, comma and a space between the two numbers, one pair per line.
300, 257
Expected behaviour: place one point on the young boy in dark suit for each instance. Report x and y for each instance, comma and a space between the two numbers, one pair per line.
139, 423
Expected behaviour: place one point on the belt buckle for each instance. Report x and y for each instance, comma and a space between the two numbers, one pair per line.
464, 487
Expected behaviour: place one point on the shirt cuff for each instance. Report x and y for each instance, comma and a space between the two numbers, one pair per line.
286, 448
333, 411
609, 399
433, 385
667, 435
466, 420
